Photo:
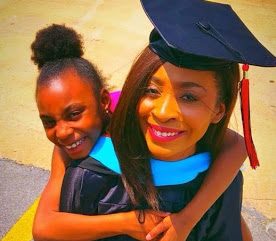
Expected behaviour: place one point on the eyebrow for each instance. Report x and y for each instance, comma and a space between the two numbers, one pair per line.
45, 117
67, 109
72, 106
191, 85
156, 80
182, 84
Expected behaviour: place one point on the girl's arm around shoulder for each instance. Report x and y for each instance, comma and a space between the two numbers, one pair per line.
222, 172
49, 200
50, 224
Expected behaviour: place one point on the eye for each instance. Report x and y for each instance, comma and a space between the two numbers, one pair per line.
152, 90
74, 115
48, 123
189, 97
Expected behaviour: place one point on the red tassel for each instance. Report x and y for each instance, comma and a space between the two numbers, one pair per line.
245, 110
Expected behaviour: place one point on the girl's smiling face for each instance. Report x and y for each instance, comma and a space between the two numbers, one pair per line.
70, 113
176, 110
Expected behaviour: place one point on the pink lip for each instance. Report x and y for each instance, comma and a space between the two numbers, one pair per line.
155, 130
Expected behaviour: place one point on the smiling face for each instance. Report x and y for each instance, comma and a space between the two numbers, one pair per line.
70, 113
176, 110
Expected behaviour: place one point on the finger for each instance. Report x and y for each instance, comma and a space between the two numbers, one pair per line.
158, 229
170, 236
163, 214
160, 213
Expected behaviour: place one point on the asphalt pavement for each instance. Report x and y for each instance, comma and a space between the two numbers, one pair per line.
21, 185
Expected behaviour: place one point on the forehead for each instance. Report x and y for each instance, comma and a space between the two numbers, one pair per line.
68, 82
178, 76
63, 90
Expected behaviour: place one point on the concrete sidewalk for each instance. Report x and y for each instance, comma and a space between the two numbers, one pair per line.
21, 185
262, 228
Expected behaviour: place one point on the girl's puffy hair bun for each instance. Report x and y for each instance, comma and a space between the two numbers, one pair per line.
56, 42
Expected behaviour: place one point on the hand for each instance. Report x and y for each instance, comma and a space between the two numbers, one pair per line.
151, 219
173, 227
61, 156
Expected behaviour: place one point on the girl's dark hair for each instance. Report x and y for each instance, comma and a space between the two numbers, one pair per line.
58, 48
56, 42
129, 141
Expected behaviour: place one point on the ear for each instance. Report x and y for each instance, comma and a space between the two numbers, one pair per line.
105, 100
218, 115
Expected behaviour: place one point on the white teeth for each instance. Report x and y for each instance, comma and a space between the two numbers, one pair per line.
164, 134
74, 145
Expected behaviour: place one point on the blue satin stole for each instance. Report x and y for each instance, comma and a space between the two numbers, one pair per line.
164, 172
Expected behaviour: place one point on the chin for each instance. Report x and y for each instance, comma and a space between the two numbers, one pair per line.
170, 156
163, 156
77, 156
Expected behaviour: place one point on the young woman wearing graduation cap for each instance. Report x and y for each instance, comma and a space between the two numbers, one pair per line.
182, 90
145, 197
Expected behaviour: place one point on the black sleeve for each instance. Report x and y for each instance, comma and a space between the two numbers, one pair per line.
84, 183
227, 223
71, 189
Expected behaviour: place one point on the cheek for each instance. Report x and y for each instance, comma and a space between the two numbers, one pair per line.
144, 107
93, 125
50, 135
197, 118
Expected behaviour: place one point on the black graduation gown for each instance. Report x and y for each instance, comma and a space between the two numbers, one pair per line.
91, 188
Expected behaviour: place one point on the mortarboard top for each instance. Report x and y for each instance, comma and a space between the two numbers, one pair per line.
183, 28
188, 32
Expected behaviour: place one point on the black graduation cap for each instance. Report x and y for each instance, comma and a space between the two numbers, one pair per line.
186, 32
203, 28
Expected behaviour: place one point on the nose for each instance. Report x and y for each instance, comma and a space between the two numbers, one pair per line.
166, 108
63, 130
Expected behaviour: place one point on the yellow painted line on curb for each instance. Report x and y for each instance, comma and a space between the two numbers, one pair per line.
22, 229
